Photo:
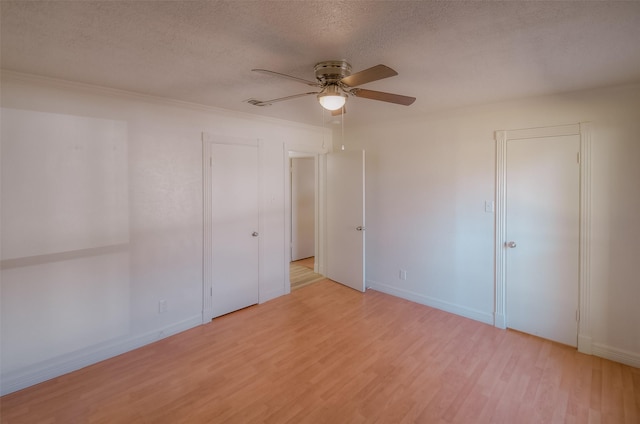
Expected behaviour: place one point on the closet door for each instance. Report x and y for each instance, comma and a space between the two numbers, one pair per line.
235, 217
542, 237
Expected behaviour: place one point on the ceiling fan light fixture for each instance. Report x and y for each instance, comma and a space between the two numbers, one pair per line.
336, 82
332, 98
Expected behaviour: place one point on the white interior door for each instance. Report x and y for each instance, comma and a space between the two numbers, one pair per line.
542, 230
235, 220
303, 188
345, 218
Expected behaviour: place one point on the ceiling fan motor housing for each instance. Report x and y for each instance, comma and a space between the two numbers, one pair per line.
332, 71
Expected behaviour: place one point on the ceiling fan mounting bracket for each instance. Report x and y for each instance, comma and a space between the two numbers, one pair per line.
332, 71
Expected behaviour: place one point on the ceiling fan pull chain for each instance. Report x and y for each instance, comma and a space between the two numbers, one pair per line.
342, 115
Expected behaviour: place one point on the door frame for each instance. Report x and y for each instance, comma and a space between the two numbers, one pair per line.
207, 268
584, 130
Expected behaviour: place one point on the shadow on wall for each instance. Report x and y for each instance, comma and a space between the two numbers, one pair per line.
65, 237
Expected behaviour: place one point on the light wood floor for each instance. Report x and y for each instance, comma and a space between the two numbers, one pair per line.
329, 354
306, 262
301, 273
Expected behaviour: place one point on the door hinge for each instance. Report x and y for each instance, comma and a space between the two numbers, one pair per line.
578, 157
577, 315
210, 291
210, 161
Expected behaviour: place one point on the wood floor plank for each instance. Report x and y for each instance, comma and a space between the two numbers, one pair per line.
329, 354
301, 273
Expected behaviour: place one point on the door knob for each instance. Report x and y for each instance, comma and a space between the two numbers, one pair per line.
511, 244
360, 228
254, 234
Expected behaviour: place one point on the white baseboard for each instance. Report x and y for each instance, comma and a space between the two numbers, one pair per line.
618, 355
585, 343
474, 314
46, 370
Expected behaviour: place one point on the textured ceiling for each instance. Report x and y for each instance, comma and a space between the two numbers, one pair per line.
447, 54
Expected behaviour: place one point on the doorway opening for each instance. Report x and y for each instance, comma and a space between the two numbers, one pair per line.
303, 222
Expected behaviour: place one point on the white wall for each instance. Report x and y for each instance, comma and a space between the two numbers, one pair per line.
303, 187
428, 179
65, 309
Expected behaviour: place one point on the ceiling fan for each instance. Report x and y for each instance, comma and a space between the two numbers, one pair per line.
336, 83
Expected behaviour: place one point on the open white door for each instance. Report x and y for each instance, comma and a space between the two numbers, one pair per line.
345, 218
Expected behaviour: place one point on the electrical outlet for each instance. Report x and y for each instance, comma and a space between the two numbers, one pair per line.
403, 274
162, 306
489, 206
